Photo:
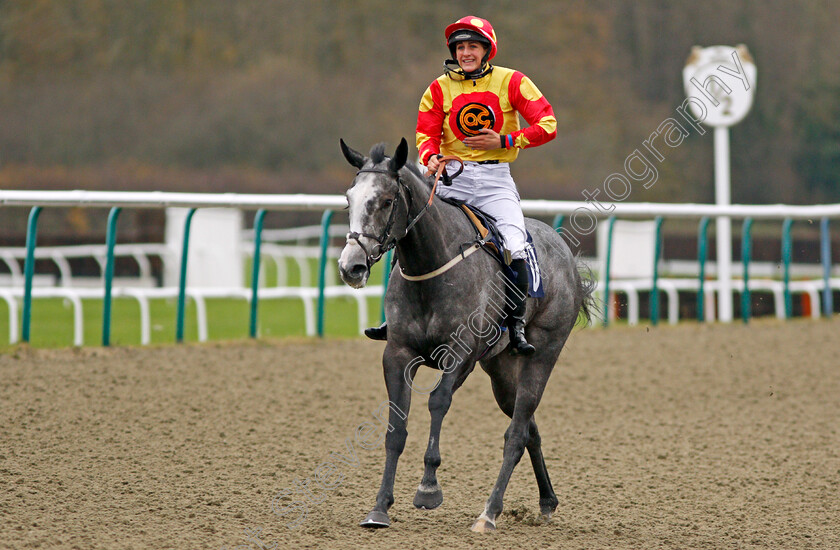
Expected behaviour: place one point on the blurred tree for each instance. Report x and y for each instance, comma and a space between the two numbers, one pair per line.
273, 85
818, 158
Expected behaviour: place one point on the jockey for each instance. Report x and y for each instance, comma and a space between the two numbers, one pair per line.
472, 111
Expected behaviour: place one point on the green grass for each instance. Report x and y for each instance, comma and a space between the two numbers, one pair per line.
227, 319
293, 273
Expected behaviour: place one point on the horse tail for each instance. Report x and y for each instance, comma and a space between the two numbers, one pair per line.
586, 284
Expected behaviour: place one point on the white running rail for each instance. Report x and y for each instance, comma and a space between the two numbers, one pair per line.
309, 202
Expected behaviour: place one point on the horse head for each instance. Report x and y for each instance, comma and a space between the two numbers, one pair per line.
378, 210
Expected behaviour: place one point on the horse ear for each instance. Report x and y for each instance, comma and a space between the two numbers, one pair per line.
400, 156
354, 157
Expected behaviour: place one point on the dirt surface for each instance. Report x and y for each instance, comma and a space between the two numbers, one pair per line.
670, 437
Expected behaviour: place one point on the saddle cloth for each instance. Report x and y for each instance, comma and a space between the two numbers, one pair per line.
485, 227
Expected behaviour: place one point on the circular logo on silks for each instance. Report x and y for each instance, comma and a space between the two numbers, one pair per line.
473, 117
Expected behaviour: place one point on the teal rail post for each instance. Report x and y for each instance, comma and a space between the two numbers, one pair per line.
654, 291
29, 270
558, 222
606, 274
787, 253
255, 271
746, 254
702, 247
110, 242
385, 278
825, 256
322, 267
182, 282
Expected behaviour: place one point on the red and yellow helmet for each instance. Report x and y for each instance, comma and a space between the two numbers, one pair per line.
480, 29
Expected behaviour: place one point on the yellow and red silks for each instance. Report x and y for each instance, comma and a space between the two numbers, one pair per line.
451, 110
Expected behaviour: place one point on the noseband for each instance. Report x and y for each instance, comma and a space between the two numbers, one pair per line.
387, 241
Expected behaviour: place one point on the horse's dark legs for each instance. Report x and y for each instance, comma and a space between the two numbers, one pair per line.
523, 393
504, 390
515, 438
548, 499
394, 361
429, 494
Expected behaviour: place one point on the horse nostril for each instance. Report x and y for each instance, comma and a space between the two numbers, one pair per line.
357, 271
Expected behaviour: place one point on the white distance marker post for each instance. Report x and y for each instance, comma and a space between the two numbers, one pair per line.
723, 224
720, 83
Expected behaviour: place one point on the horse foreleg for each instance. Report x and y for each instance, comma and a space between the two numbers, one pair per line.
429, 494
548, 499
399, 395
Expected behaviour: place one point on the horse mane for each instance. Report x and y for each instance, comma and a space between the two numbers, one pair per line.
414, 168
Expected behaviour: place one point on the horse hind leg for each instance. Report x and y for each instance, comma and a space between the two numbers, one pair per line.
516, 437
429, 494
486, 522
504, 390
548, 499
520, 434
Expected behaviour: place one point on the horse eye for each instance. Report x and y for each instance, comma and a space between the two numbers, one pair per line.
387, 203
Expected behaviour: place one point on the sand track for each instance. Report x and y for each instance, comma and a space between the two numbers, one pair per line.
674, 437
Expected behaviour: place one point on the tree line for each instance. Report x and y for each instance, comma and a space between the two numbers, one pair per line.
206, 85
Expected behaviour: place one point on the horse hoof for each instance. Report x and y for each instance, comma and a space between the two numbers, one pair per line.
483, 525
376, 520
547, 507
428, 498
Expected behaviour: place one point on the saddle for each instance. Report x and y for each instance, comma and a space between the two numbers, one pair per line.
493, 243
485, 227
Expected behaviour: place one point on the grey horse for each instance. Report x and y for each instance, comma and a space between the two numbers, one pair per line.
451, 319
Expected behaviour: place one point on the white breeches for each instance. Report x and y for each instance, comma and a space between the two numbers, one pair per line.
491, 189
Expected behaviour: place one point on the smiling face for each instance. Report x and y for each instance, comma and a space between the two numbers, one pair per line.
469, 54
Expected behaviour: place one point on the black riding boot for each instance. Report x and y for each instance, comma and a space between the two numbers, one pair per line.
377, 333
516, 316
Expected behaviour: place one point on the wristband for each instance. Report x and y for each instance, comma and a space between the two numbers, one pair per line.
502, 139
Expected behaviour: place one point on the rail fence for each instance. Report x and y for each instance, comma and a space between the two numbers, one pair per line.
567, 220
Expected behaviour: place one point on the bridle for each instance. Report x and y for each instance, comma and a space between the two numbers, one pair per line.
386, 240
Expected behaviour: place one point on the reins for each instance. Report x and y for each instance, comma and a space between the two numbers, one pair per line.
386, 240
447, 180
